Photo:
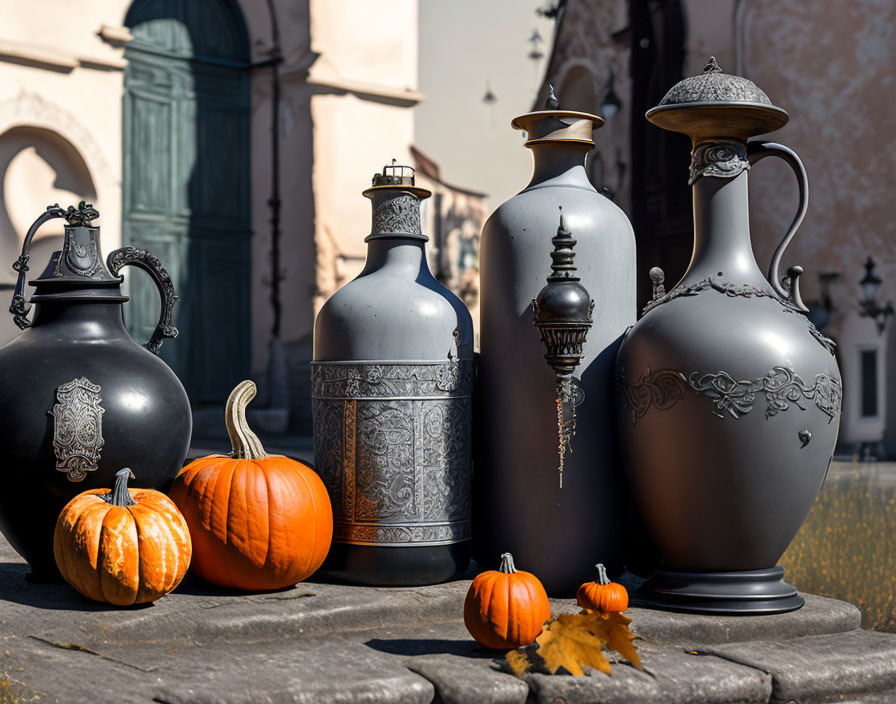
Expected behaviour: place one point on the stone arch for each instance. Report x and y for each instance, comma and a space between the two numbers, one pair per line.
69, 139
60, 143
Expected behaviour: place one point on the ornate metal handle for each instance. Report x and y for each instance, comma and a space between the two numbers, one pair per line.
151, 265
18, 308
757, 151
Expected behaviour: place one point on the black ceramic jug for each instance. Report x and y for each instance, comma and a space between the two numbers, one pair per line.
79, 399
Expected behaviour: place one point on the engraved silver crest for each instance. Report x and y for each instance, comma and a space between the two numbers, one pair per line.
77, 428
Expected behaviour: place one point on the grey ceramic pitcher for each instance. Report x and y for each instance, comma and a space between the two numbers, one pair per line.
728, 397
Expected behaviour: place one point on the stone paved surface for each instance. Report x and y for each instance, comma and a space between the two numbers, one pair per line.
325, 643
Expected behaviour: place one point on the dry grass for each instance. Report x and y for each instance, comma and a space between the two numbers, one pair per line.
846, 548
6, 695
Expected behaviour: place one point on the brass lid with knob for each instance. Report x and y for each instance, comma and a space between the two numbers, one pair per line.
714, 103
555, 125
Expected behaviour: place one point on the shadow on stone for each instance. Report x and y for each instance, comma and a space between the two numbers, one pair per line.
430, 646
15, 587
196, 586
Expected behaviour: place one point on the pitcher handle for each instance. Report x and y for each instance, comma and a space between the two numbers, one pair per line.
18, 307
151, 265
757, 151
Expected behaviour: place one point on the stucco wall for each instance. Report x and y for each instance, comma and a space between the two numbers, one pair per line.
348, 73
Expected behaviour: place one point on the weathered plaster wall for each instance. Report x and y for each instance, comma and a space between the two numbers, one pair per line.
584, 57
831, 65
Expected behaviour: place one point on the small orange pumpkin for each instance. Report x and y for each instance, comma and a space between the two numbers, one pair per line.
602, 594
258, 521
123, 547
506, 608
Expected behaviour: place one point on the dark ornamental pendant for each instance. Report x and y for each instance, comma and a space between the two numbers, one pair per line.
563, 315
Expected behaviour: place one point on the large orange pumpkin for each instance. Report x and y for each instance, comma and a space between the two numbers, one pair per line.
124, 546
258, 521
506, 608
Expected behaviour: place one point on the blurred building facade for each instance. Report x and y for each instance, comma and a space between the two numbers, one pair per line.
831, 66
232, 138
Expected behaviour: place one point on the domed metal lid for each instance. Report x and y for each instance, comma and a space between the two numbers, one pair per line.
717, 104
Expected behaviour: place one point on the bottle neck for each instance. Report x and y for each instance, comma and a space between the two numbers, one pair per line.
722, 247
560, 164
83, 320
402, 256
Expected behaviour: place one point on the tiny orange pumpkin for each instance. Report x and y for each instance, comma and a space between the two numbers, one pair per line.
123, 547
602, 594
506, 608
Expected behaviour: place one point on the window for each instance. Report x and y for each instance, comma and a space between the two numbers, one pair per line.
869, 383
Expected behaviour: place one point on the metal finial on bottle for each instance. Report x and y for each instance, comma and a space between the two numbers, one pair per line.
551, 103
563, 316
657, 278
712, 66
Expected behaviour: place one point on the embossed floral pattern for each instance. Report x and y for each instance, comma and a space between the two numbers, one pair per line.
392, 446
781, 388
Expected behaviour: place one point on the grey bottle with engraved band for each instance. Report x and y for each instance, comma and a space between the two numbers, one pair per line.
535, 418
392, 379
728, 397
80, 399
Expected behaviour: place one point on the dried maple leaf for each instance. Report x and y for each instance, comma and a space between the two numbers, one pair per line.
572, 641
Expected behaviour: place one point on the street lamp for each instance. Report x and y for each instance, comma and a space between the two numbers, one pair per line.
611, 103
870, 308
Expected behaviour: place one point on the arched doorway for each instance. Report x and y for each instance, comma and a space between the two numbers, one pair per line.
185, 187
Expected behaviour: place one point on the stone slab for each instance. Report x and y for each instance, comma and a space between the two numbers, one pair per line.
303, 671
671, 675
456, 665
320, 642
457, 681
820, 616
820, 668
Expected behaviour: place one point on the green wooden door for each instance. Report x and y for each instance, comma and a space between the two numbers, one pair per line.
186, 183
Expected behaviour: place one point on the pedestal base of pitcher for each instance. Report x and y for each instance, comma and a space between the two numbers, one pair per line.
747, 592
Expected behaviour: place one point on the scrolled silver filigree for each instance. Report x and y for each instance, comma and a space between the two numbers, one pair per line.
781, 388
392, 444
398, 214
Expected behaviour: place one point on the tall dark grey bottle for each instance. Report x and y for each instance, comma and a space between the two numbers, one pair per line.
392, 378
519, 507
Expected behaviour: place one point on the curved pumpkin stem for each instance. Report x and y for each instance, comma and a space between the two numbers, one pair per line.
120, 496
245, 443
507, 566
601, 574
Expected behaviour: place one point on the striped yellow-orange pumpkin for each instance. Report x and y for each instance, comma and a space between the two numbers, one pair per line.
506, 608
602, 594
258, 521
124, 546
